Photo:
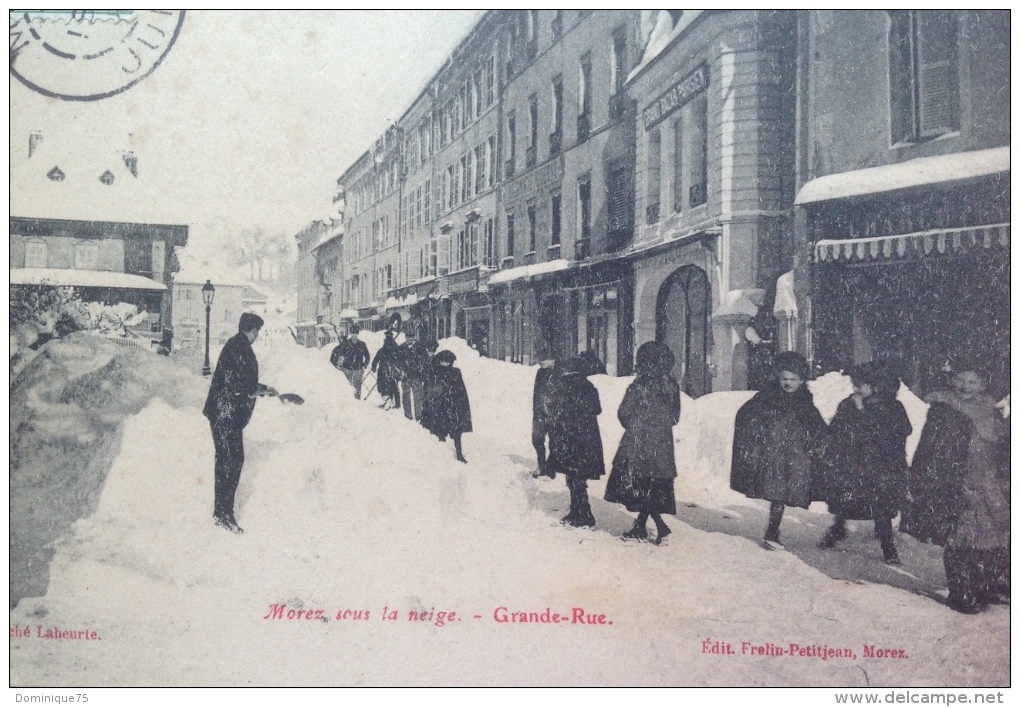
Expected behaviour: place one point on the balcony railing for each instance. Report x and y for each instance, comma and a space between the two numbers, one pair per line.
555, 143
652, 214
583, 127
509, 168
508, 262
531, 156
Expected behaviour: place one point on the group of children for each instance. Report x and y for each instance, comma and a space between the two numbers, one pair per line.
956, 493
412, 375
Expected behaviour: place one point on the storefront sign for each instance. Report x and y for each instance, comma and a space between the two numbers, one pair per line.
676, 96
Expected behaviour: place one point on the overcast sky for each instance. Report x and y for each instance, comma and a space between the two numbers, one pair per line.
250, 119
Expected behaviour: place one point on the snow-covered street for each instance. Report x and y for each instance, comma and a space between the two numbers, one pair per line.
371, 557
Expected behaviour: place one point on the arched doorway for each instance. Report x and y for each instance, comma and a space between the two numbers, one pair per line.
681, 322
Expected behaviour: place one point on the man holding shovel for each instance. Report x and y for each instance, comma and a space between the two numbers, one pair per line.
235, 387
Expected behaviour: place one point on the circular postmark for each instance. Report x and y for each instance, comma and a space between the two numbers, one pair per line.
85, 55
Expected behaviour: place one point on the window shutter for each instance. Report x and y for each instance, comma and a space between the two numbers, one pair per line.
617, 197
444, 254
938, 81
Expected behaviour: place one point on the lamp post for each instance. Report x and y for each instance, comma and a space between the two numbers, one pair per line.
208, 291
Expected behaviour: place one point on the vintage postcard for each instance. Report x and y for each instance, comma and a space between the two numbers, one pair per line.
531, 347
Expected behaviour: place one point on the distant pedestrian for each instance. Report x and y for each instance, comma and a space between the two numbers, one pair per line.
541, 401
965, 446
384, 365
575, 442
867, 457
353, 358
776, 438
412, 362
645, 464
229, 406
762, 333
446, 411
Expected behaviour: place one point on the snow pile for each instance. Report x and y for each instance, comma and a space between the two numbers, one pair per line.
113, 320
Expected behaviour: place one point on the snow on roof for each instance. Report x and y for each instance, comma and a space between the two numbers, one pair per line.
397, 302
67, 277
912, 173
348, 314
662, 35
526, 271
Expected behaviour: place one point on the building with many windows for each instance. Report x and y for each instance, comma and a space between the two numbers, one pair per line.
904, 190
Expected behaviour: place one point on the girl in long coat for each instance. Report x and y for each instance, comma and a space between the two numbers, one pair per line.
868, 458
385, 367
977, 542
446, 410
777, 436
645, 464
575, 442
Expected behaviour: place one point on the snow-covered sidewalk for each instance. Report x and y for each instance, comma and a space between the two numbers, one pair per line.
372, 557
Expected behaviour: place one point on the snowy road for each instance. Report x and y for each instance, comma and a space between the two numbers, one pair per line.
372, 557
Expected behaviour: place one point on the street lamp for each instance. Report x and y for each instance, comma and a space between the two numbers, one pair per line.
207, 296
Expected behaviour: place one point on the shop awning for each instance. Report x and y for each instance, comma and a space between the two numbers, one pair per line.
913, 245
922, 171
67, 277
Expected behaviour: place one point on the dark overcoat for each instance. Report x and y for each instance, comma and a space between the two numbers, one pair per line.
384, 366
936, 475
235, 385
540, 402
776, 439
866, 475
575, 442
446, 409
648, 413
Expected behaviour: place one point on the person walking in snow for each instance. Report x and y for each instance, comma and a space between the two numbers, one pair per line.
446, 411
575, 442
412, 362
867, 458
965, 446
229, 406
385, 369
352, 360
645, 464
540, 402
777, 437
762, 333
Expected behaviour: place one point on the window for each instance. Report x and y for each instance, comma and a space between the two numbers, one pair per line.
462, 248
532, 227
444, 193
678, 164
491, 159
584, 207
510, 234
480, 167
584, 98
465, 168
458, 180
490, 243
557, 23
555, 138
442, 127
554, 237
533, 116
428, 201
531, 29
35, 254
86, 256
443, 255
472, 244
617, 201
654, 175
458, 113
511, 139
699, 150
452, 192
618, 67
477, 86
417, 205
490, 81
924, 81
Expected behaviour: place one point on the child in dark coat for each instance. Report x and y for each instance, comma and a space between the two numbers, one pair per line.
776, 438
645, 463
868, 458
575, 442
446, 410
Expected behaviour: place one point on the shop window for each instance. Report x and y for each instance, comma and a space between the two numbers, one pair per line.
924, 81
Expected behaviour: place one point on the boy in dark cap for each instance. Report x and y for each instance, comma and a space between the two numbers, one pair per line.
231, 401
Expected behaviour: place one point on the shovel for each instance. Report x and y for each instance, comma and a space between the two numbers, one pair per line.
292, 398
